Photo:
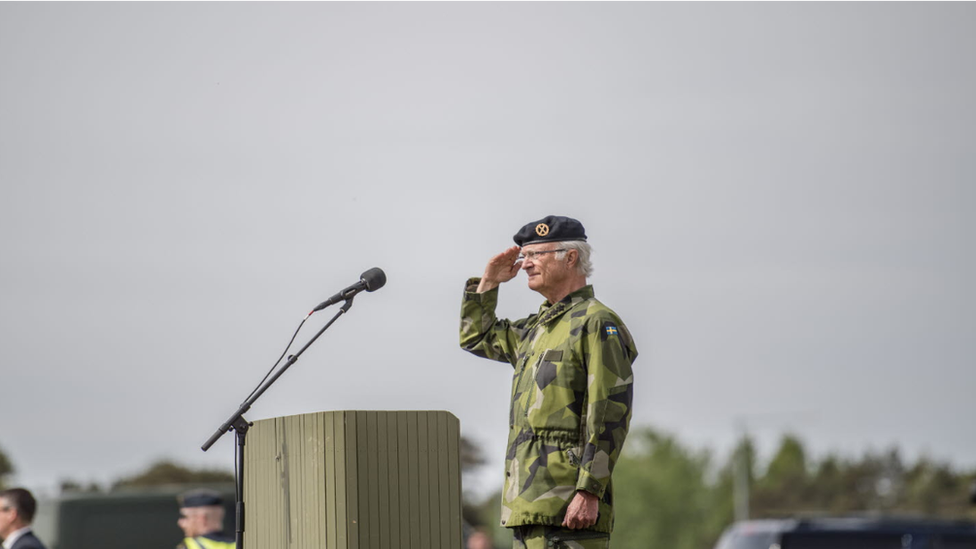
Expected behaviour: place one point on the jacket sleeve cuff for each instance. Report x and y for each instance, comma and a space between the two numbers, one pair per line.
471, 286
590, 484
487, 299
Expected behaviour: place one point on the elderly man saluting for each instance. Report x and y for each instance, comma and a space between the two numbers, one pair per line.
571, 392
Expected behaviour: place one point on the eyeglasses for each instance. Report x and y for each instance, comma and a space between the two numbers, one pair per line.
533, 255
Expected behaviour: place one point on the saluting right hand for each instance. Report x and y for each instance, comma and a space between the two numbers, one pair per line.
501, 268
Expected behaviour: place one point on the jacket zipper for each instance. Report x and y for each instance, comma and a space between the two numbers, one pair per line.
518, 381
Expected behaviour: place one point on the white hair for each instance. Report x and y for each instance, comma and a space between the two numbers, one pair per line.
583, 250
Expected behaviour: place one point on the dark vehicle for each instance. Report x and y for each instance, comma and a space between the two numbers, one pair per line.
849, 533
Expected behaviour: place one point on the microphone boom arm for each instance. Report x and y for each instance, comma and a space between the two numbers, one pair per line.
291, 360
240, 425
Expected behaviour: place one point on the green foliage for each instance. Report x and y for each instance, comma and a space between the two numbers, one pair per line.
789, 465
786, 484
662, 495
934, 489
6, 468
472, 456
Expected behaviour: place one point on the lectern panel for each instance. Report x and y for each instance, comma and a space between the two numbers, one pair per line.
354, 480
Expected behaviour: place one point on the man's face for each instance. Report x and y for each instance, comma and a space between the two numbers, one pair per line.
8, 516
191, 521
546, 267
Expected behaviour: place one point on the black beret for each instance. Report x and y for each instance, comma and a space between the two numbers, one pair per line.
200, 498
552, 228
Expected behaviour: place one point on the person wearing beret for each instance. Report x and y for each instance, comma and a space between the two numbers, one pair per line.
572, 387
17, 508
202, 521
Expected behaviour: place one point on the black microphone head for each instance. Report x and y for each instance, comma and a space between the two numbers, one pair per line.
374, 278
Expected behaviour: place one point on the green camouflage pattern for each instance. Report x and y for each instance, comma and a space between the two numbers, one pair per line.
571, 400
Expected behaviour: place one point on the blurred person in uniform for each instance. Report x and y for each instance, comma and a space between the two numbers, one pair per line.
202, 521
571, 392
17, 508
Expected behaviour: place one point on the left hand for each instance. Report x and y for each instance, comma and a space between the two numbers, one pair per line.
582, 512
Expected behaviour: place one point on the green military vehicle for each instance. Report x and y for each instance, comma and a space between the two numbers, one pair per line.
118, 520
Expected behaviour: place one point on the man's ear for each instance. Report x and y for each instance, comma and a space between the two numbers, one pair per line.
572, 257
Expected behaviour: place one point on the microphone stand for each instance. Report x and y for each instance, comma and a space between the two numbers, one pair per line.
241, 425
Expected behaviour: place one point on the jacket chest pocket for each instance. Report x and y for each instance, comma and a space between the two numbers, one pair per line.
547, 369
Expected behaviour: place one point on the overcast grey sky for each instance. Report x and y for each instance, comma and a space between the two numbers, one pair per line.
780, 198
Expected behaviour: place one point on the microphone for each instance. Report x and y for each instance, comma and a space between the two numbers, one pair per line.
371, 280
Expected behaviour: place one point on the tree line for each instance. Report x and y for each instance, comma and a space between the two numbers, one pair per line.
670, 495
160, 473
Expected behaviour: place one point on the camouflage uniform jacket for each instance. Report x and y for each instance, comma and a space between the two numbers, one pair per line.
571, 400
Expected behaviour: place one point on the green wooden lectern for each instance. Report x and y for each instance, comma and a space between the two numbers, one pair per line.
353, 480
